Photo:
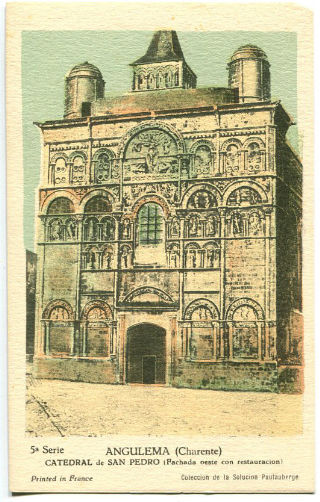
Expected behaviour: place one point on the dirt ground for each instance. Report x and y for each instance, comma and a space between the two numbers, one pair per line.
63, 408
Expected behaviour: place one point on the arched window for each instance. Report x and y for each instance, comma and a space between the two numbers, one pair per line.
150, 221
61, 172
212, 255
91, 229
97, 342
245, 333
78, 169
202, 332
193, 226
244, 196
173, 255
193, 256
102, 168
59, 333
203, 159
107, 228
254, 157
232, 158
107, 258
98, 204
201, 199
61, 205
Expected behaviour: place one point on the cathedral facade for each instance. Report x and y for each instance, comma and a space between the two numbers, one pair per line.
169, 230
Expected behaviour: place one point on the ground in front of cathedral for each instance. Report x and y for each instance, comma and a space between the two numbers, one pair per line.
63, 408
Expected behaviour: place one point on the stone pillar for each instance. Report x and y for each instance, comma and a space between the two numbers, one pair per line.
242, 163
268, 233
214, 329
51, 174
222, 327
113, 338
266, 343
75, 336
83, 338
230, 340
117, 238
222, 263
259, 341
182, 227
182, 338
45, 340
187, 342
219, 156
88, 176
122, 347
173, 351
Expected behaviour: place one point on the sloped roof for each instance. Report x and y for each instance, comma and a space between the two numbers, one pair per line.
169, 99
164, 46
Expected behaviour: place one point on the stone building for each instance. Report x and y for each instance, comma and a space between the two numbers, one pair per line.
168, 235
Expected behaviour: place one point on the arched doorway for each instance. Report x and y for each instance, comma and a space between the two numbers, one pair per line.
146, 354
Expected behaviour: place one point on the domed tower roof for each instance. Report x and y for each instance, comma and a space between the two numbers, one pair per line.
84, 84
84, 70
249, 72
248, 51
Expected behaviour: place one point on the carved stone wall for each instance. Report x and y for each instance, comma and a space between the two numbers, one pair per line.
206, 256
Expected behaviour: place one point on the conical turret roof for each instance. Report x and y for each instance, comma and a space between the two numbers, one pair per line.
164, 46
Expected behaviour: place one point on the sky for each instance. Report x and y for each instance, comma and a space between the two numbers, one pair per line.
48, 55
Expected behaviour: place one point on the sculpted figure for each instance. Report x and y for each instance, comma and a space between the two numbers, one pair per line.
211, 226
71, 229
255, 224
55, 230
237, 224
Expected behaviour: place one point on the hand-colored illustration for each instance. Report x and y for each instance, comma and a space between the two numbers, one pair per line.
169, 230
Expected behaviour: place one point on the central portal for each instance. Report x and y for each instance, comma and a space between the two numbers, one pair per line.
146, 354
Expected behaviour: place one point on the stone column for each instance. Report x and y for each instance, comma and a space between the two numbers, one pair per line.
242, 163
222, 262
187, 342
214, 329
222, 328
113, 338
88, 175
45, 342
69, 171
83, 338
219, 155
266, 343
230, 340
259, 341
122, 347
51, 174
268, 233
173, 352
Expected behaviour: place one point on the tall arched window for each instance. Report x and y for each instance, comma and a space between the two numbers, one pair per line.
150, 220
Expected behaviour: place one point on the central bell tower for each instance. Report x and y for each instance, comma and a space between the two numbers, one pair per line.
163, 66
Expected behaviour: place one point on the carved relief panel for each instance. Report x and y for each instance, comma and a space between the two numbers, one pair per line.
151, 152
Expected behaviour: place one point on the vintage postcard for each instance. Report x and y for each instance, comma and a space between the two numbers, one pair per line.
160, 247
